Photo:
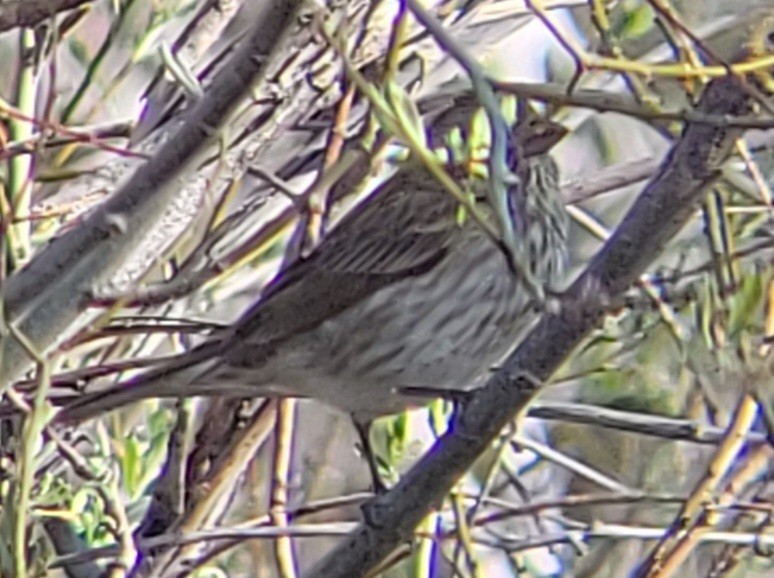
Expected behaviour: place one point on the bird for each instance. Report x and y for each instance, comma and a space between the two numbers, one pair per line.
401, 296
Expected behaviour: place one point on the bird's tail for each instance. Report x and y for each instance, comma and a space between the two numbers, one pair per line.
185, 376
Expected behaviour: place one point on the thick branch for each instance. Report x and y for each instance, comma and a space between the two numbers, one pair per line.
32, 12
45, 299
656, 217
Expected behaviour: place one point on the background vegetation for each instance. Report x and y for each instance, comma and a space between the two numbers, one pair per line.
648, 451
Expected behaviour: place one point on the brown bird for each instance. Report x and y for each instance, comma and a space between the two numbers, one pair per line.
400, 295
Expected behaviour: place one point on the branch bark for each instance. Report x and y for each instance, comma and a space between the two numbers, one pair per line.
45, 300
18, 13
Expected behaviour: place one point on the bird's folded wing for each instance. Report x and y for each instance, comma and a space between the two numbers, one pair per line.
404, 231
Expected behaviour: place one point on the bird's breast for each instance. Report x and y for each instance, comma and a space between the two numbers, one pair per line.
443, 329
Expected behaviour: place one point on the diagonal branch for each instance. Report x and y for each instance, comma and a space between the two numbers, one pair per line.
32, 12
45, 300
656, 217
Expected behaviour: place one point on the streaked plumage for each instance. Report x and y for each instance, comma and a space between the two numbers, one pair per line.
400, 295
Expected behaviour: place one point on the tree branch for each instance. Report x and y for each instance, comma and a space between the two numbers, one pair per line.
16, 13
657, 216
45, 299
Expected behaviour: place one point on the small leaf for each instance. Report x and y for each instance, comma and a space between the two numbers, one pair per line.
638, 22
130, 464
479, 138
79, 51
744, 306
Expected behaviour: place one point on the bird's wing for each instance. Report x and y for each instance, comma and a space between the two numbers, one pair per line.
403, 231
406, 224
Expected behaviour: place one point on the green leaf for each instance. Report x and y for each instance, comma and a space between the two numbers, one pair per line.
479, 139
745, 304
637, 22
439, 412
130, 465
79, 51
